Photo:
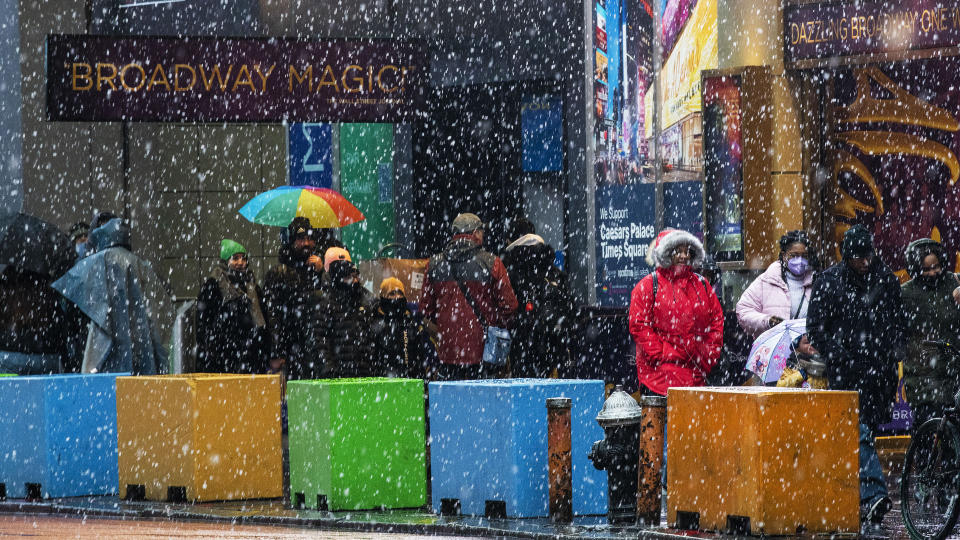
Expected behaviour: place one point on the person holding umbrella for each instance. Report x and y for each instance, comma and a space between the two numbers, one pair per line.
291, 294
856, 321
782, 292
232, 334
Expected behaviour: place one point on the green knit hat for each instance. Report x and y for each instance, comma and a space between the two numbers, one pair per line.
229, 248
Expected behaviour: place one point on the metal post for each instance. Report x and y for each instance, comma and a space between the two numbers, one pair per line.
657, 151
649, 468
560, 460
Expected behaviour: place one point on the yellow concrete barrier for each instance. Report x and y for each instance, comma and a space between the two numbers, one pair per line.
762, 460
199, 437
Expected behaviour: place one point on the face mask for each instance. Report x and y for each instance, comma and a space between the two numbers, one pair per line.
81, 249
928, 281
393, 305
798, 266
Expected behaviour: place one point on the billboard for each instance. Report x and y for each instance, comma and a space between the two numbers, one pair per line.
695, 51
625, 226
723, 167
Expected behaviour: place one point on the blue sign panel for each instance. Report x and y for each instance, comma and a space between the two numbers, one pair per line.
541, 119
310, 154
626, 223
683, 206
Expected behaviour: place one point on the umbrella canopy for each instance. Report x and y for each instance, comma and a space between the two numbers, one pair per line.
770, 350
325, 208
31, 244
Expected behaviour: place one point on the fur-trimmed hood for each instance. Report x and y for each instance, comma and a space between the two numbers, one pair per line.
659, 253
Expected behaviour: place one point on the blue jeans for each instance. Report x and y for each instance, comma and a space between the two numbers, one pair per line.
872, 484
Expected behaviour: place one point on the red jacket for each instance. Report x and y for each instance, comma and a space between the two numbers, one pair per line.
461, 334
679, 337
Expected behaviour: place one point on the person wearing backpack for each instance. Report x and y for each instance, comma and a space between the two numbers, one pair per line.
546, 316
466, 293
675, 317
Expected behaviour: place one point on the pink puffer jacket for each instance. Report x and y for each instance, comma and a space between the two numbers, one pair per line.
768, 296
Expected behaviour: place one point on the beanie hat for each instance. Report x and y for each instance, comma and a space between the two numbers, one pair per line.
300, 226
229, 248
661, 250
389, 285
79, 229
857, 243
466, 223
334, 254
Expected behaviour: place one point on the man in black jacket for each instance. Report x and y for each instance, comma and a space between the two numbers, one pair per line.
291, 293
856, 321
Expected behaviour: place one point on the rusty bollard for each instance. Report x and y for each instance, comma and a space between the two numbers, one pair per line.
560, 460
652, 422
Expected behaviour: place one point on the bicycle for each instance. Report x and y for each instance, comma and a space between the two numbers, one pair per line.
930, 483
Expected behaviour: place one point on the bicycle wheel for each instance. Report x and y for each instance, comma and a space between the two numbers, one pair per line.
929, 497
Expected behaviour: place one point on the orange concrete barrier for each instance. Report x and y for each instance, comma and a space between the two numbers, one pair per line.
199, 437
759, 460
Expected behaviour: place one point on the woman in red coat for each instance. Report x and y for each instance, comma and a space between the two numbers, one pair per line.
679, 332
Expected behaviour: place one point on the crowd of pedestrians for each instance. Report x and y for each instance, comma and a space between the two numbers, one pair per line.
312, 318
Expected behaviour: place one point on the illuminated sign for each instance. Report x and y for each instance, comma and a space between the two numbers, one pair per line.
695, 51
99, 78
814, 31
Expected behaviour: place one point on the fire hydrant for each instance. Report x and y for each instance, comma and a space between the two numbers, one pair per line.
618, 454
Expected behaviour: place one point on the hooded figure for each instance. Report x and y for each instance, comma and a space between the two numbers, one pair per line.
856, 323
232, 334
400, 344
679, 329
930, 377
129, 307
545, 317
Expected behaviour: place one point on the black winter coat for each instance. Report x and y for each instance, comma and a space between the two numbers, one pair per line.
400, 345
340, 332
228, 338
546, 315
291, 296
857, 323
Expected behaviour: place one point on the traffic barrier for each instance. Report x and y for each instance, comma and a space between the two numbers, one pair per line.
760, 460
58, 436
488, 451
357, 443
199, 437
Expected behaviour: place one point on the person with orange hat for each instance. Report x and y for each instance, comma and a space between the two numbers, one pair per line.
401, 346
675, 317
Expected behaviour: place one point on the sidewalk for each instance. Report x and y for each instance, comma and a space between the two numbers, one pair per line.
273, 512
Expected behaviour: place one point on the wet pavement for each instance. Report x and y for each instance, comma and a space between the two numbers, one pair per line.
275, 512
412, 522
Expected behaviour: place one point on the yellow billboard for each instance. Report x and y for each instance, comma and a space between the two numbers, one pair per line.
695, 51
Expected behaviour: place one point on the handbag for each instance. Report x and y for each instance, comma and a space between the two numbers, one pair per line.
496, 344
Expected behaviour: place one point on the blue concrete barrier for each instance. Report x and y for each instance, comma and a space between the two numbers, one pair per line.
58, 435
488, 450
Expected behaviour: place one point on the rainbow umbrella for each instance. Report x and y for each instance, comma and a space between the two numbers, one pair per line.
325, 208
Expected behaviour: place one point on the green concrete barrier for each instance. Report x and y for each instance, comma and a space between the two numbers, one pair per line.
357, 443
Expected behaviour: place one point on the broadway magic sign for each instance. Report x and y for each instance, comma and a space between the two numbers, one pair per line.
824, 30
99, 78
